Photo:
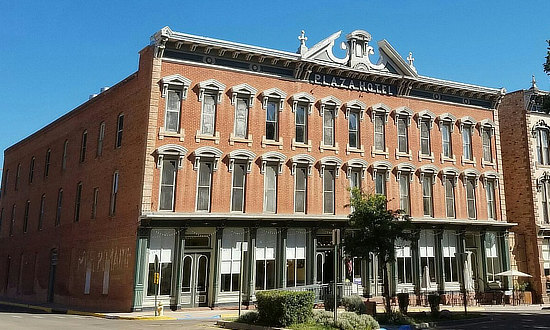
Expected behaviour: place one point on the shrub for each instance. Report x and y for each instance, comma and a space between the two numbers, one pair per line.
395, 318
282, 308
323, 317
352, 321
434, 300
403, 299
249, 318
355, 304
329, 302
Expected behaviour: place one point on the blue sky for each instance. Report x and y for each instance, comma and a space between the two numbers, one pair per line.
53, 55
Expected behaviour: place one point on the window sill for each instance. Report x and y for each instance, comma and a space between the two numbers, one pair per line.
233, 139
294, 145
199, 136
163, 134
335, 148
350, 150
375, 152
444, 159
429, 157
468, 161
266, 142
485, 163
399, 154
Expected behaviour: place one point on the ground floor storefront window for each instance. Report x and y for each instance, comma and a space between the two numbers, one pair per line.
266, 247
161, 246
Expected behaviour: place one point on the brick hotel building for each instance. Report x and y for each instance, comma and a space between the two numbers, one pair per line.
212, 146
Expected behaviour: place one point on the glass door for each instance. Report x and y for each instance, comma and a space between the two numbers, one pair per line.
194, 284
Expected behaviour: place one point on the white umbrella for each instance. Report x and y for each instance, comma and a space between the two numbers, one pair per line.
425, 278
512, 273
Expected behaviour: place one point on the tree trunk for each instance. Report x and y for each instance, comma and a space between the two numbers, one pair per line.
386, 288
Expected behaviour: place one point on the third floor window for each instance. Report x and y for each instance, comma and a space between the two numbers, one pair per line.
272, 121
543, 156
301, 123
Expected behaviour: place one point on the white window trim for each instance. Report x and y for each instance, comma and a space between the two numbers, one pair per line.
302, 159
471, 174
171, 150
207, 152
471, 123
424, 171
273, 157
380, 108
278, 96
333, 103
176, 82
197, 162
308, 100
381, 166
358, 107
241, 155
449, 119
247, 92
354, 164
214, 87
330, 161
405, 113
425, 115
487, 124
174, 189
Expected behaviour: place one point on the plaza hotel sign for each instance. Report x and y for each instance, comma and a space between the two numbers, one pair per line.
352, 84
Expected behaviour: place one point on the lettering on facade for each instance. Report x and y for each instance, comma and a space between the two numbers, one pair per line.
353, 84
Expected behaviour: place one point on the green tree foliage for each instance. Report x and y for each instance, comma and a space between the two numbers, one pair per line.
547, 63
374, 228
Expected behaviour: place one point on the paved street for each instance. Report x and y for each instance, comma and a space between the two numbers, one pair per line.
516, 319
13, 318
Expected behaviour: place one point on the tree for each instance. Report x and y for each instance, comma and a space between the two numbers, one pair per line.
372, 228
547, 63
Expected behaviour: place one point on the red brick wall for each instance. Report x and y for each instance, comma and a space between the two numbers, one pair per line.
90, 241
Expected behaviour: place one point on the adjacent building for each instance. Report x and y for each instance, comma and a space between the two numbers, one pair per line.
525, 125
232, 165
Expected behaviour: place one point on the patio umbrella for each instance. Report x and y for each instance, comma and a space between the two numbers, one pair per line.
512, 273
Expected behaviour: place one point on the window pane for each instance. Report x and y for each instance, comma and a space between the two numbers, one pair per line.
238, 187
328, 178
300, 189
467, 142
450, 197
353, 130
186, 276
173, 111
241, 119
446, 137
328, 128
470, 196
271, 124
208, 114
404, 192
402, 138
427, 195
270, 189
425, 137
379, 139
380, 183
487, 155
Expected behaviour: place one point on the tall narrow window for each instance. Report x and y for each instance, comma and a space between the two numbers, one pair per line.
12, 222
94, 202
77, 201
402, 134
300, 188
17, 176
65, 150
119, 131
380, 183
204, 186
26, 216
6, 177
47, 163
238, 187
230, 262
471, 197
114, 193
270, 188
295, 258
493, 261
449, 245
301, 123
168, 184
83, 146
42, 212
487, 148
272, 121
543, 155
491, 206
100, 138
425, 145
404, 262
446, 140
31, 170
208, 120
59, 207
353, 129
355, 178
266, 249
379, 132
427, 195
467, 142
328, 191
426, 245
328, 127
450, 197
241, 118
404, 192
173, 109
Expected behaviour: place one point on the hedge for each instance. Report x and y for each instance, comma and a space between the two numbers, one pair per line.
283, 308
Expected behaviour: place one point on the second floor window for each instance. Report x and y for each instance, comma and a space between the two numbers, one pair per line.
42, 212
425, 145
543, 155
208, 119
77, 202
94, 202
301, 123
446, 140
119, 131
300, 189
328, 191
238, 187
380, 183
404, 192
450, 197
100, 138
467, 143
114, 193
491, 206
379, 132
204, 185
487, 146
47, 163
31, 170
64, 156
26, 216
427, 195
173, 110
328, 127
471, 197
272, 121
17, 176
270, 188
59, 207
353, 129
168, 184
12, 222
545, 190
402, 135
83, 146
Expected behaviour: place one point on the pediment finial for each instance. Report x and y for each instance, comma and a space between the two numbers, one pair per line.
410, 59
302, 37
533, 82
